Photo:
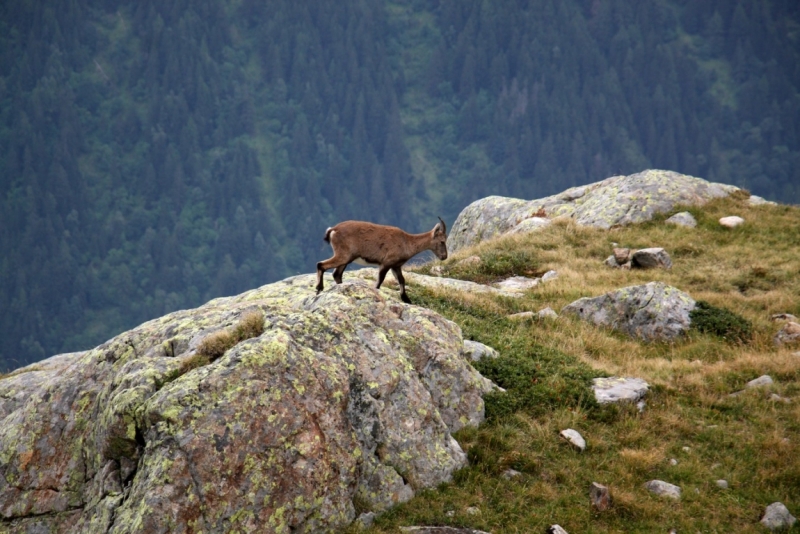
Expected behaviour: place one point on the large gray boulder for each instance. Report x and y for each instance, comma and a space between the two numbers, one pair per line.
346, 396
618, 200
650, 312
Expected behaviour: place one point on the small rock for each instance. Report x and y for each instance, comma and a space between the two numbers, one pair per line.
760, 201
441, 530
531, 224
366, 519
549, 275
722, 484
477, 351
673, 461
611, 262
600, 497
731, 222
615, 389
764, 380
683, 218
517, 283
471, 261
664, 489
673, 531
783, 317
547, 313
686, 449
473, 510
508, 474
521, 316
778, 398
437, 270
650, 258
575, 438
790, 333
556, 529
777, 516
622, 255
640, 406
450, 513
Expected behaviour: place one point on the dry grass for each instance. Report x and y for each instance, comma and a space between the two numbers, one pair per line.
749, 440
250, 325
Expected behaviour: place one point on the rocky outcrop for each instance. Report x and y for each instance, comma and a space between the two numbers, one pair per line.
618, 200
345, 403
650, 312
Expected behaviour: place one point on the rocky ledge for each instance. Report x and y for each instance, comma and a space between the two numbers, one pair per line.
618, 200
342, 403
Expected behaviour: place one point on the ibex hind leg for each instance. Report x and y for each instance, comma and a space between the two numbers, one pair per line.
398, 274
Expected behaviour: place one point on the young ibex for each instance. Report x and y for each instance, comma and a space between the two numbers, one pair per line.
387, 247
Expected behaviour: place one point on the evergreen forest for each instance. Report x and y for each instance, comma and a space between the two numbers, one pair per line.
154, 155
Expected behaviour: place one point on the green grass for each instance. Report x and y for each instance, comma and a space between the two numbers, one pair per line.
742, 276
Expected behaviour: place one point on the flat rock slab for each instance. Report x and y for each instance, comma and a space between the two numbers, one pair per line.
433, 282
650, 312
517, 284
619, 200
777, 516
616, 389
732, 221
663, 489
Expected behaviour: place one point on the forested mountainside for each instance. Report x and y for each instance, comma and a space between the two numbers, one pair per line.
154, 155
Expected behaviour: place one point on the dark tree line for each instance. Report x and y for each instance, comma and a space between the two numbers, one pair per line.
154, 155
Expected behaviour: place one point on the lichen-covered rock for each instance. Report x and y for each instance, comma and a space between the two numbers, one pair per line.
618, 200
650, 312
618, 389
789, 334
663, 489
777, 517
346, 396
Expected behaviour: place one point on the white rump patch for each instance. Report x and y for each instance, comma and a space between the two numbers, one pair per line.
365, 263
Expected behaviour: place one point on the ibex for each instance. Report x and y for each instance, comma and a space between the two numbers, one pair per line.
387, 247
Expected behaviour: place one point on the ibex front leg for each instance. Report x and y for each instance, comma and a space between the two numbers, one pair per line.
398, 274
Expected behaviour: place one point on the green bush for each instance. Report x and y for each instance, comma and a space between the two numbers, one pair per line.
720, 322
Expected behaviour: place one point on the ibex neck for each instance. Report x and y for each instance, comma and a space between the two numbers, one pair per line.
420, 242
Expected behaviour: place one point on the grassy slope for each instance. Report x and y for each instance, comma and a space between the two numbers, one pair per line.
749, 440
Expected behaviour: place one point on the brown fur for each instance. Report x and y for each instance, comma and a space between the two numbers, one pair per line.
388, 247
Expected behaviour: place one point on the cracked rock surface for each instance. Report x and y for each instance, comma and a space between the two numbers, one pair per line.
347, 396
619, 200
650, 312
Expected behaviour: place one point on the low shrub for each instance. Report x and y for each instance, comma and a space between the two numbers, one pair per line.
720, 322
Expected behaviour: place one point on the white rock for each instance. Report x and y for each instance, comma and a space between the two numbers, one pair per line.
722, 484
547, 313
764, 380
732, 221
777, 516
640, 406
783, 317
517, 283
778, 398
522, 316
615, 389
673, 461
760, 201
508, 474
532, 224
556, 529
663, 489
685, 449
575, 438
476, 351
683, 218
473, 510
549, 275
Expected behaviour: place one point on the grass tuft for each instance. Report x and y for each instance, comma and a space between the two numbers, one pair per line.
214, 345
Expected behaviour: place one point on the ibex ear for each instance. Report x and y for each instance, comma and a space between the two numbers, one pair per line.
440, 227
